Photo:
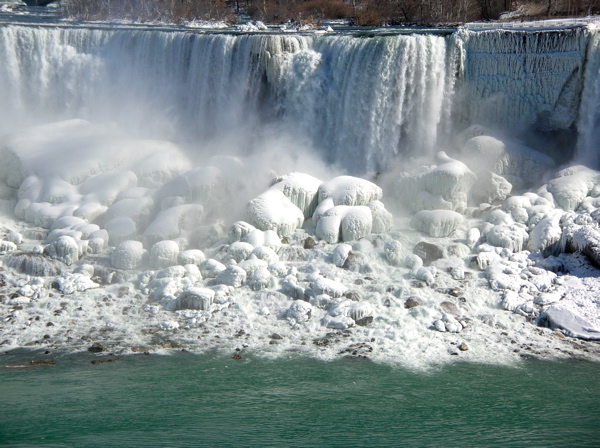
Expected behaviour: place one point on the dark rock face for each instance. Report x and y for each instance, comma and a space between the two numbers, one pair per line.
428, 252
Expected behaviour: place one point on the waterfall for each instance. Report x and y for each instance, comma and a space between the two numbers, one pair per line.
588, 145
363, 103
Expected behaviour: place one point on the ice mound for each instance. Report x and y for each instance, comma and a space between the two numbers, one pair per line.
273, 210
572, 185
506, 158
448, 183
35, 265
572, 324
128, 255
348, 190
302, 189
345, 208
193, 299
437, 223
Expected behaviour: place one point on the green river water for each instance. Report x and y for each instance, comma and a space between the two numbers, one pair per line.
212, 401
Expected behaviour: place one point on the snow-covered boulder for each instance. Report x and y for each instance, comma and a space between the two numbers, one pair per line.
128, 255
211, 268
191, 256
328, 286
506, 158
65, 249
232, 276
437, 223
301, 189
340, 254
572, 185
170, 223
239, 230
490, 188
512, 237
268, 238
196, 186
299, 312
450, 181
164, 254
571, 324
393, 253
348, 190
344, 223
193, 298
272, 210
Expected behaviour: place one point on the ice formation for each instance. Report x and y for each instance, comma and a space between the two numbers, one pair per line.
135, 240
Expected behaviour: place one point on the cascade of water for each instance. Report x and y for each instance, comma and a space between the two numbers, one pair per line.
519, 79
588, 144
360, 102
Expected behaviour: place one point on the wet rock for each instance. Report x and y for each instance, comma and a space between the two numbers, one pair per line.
309, 243
450, 308
411, 302
276, 336
463, 347
236, 356
428, 252
31, 364
96, 347
364, 321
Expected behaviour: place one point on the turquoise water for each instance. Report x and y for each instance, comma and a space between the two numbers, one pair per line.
192, 400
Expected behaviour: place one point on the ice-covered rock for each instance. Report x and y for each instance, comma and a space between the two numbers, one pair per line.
393, 252
128, 255
239, 230
382, 219
506, 158
268, 238
192, 299
437, 223
272, 210
170, 223
301, 189
120, 229
557, 317
512, 237
299, 312
65, 249
7, 246
348, 190
572, 185
164, 254
490, 188
260, 279
191, 256
344, 223
211, 268
451, 180
35, 265
328, 286
239, 251
546, 234
232, 276
266, 254
340, 254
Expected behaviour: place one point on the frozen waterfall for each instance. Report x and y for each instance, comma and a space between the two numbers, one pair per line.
361, 102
